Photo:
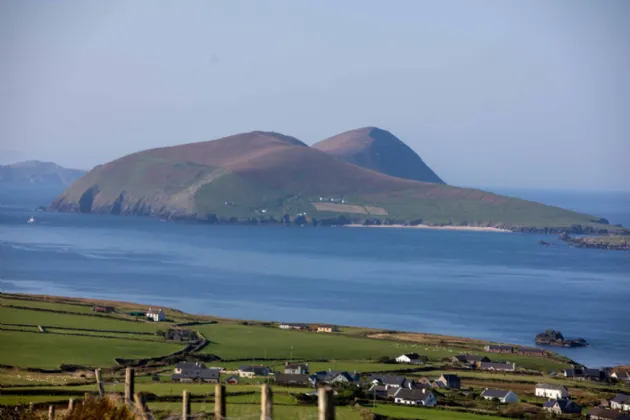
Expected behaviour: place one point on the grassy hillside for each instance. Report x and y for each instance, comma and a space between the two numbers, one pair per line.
268, 175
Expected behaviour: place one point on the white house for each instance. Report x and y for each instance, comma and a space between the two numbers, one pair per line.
287, 326
156, 314
414, 358
553, 392
248, 371
620, 402
415, 397
500, 394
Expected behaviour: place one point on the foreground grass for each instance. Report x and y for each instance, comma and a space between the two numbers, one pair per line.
427, 413
48, 351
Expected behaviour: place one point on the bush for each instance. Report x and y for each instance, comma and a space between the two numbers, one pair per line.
101, 409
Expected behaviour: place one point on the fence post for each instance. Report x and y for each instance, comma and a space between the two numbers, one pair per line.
99, 383
129, 385
86, 396
266, 403
70, 405
219, 402
185, 405
140, 408
31, 407
51, 412
326, 404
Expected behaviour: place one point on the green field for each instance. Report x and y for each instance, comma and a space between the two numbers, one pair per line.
257, 344
50, 350
52, 319
234, 341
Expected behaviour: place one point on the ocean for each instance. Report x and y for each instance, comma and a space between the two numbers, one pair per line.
503, 287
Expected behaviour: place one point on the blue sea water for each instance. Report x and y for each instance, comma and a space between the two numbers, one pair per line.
496, 286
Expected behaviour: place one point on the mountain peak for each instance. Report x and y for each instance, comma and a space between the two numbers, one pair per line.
379, 150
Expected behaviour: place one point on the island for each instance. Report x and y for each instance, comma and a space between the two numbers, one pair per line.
363, 177
555, 338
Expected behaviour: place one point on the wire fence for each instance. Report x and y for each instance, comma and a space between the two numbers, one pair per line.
212, 406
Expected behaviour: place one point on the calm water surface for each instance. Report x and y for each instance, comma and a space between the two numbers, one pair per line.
495, 286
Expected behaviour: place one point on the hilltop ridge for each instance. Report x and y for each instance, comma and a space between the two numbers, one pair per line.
267, 177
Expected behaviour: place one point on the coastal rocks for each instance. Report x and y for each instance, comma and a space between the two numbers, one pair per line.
612, 242
555, 338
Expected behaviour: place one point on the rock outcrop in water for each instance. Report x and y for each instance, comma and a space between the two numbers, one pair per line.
612, 242
555, 338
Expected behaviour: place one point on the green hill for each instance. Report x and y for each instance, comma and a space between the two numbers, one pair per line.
268, 177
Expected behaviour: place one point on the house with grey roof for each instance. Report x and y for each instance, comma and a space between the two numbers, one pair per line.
597, 413
422, 397
296, 368
620, 402
562, 406
447, 380
292, 379
504, 396
332, 376
195, 372
249, 371
554, 392
470, 359
498, 348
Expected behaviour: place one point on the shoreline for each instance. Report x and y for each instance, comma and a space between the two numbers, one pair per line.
448, 227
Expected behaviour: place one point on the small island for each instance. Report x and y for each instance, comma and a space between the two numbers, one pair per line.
555, 338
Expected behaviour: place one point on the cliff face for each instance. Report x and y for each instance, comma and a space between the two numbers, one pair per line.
263, 177
36, 172
379, 150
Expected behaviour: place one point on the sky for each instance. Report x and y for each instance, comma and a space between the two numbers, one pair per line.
522, 93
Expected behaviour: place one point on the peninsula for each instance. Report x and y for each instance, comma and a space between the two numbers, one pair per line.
270, 178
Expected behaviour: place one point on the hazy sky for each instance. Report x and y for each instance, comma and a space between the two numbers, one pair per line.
490, 93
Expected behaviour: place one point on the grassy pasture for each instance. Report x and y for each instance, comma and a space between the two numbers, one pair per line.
50, 350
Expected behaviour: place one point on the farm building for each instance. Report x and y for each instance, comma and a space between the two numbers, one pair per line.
504, 396
156, 314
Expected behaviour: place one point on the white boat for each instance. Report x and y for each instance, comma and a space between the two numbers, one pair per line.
31, 220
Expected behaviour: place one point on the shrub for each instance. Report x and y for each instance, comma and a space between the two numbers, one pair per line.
101, 409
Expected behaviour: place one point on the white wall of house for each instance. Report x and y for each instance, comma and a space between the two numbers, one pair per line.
553, 394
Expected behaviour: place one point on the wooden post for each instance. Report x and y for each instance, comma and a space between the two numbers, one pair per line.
326, 404
51, 412
31, 407
185, 405
129, 385
99, 383
140, 408
266, 403
219, 402
86, 396
70, 405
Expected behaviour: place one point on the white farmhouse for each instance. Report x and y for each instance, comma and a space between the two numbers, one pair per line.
552, 392
414, 358
500, 394
156, 314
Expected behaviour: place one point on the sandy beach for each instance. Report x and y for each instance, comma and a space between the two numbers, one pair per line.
469, 228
